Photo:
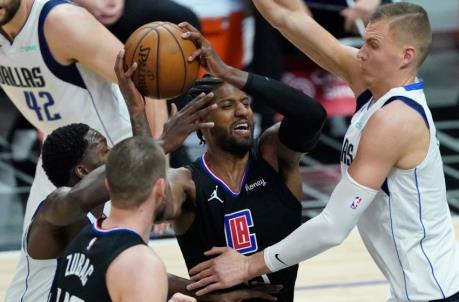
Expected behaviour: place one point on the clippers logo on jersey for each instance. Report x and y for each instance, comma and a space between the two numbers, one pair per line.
356, 202
237, 232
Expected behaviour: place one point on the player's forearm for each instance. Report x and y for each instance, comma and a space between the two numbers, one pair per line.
307, 35
178, 284
140, 125
90, 192
156, 112
277, 11
283, 98
347, 203
67, 208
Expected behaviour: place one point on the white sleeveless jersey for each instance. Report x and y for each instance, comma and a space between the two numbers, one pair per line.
407, 229
33, 278
51, 95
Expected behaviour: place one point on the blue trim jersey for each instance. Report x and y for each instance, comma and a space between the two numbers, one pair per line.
82, 268
33, 277
261, 213
407, 229
51, 95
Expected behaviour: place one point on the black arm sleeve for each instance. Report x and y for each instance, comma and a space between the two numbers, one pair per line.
304, 117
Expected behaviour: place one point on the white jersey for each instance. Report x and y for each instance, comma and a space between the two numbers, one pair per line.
51, 95
33, 278
407, 229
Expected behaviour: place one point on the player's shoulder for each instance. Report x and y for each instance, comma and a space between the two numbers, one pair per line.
397, 116
67, 16
57, 196
138, 258
397, 121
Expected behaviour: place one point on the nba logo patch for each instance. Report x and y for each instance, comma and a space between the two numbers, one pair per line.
356, 202
237, 232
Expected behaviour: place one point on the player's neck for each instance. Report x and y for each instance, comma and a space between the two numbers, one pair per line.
382, 87
15, 25
138, 220
229, 168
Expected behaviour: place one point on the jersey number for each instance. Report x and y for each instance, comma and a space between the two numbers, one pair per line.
237, 232
46, 100
66, 297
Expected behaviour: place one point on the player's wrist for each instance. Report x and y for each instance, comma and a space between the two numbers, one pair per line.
256, 266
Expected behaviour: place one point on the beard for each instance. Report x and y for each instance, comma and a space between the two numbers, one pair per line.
10, 11
230, 144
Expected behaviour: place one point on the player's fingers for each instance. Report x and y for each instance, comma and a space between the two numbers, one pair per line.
119, 64
202, 283
174, 109
202, 112
196, 54
216, 251
201, 275
189, 108
194, 36
187, 26
128, 74
210, 288
204, 125
200, 267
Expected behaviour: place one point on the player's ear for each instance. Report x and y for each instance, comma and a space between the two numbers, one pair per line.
159, 189
107, 186
80, 171
409, 55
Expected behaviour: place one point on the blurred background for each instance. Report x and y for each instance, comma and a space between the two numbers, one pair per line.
243, 39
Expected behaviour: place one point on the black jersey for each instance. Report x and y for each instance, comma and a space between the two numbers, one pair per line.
261, 214
80, 274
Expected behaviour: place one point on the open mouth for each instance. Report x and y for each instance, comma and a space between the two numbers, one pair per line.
241, 128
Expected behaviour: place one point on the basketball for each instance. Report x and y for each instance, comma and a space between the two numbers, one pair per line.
161, 53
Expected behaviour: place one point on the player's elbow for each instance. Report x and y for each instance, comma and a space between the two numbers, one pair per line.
336, 239
333, 234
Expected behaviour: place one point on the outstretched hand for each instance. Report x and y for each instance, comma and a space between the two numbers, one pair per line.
134, 100
227, 269
187, 120
207, 56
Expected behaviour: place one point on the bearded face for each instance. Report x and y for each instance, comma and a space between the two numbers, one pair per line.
233, 121
8, 10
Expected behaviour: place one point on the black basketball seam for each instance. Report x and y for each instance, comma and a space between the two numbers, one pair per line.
183, 58
158, 93
137, 46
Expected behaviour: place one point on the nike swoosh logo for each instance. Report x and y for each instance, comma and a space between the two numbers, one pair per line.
277, 257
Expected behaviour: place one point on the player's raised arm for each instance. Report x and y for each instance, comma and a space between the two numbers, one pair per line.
292, 20
86, 40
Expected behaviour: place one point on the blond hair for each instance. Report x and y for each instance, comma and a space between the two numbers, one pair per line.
409, 23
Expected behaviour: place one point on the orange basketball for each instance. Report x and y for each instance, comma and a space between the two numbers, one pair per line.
162, 56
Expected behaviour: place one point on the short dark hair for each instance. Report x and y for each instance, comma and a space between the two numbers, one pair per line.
206, 84
132, 167
409, 21
62, 150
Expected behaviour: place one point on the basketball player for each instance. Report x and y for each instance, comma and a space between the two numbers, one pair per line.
71, 157
110, 260
56, 65
242, 192
392, 184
